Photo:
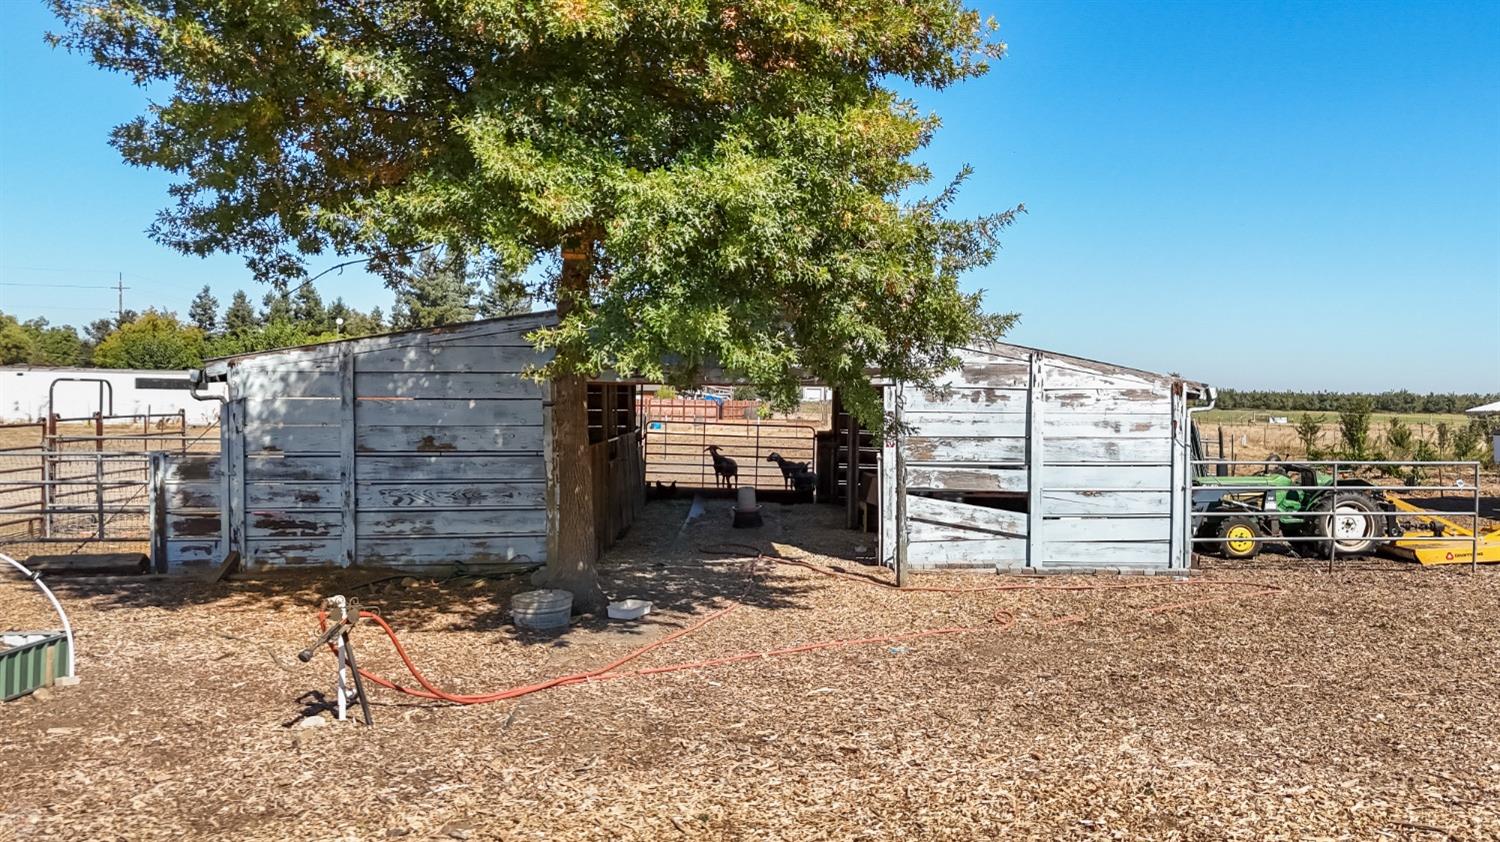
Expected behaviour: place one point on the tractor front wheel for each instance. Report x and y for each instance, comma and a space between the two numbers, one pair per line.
1237, 536
1350, 524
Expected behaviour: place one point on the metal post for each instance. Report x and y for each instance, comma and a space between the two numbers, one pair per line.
1333, 527
99, 491
343, 678
756, 473
1474, 536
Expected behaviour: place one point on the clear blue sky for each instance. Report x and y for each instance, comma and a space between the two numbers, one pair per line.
1282, 195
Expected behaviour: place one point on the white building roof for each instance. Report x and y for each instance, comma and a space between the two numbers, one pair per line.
1487, 409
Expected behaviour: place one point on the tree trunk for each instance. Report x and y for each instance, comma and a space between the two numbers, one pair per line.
572, 545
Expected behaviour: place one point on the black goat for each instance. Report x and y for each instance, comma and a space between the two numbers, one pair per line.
662, 491
789, 470
725, 468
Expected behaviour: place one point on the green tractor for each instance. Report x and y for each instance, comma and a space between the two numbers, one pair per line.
1349, 520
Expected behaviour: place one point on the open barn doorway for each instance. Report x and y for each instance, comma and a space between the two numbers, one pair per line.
715, 440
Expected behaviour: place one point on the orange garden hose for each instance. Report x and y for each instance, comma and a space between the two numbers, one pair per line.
1002, 620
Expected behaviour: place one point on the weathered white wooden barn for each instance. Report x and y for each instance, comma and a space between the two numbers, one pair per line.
1032, 460
416, 449
428, 448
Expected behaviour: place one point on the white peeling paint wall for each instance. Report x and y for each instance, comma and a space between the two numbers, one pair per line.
23, 394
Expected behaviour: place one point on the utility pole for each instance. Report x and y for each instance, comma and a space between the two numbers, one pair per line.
120, 300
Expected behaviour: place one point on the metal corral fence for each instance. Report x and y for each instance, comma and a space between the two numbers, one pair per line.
1326, 507
677, 450
84, 483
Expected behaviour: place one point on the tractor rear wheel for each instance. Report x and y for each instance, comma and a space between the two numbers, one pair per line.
1350, 524
1237, 536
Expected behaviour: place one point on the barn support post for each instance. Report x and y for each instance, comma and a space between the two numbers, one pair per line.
1035, 467
889, 528
851, 472
347, 497
232, 423
157, 507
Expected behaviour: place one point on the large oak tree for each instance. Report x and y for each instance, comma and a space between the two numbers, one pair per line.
706, 180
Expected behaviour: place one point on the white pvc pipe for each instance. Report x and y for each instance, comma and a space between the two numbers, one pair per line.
37, 579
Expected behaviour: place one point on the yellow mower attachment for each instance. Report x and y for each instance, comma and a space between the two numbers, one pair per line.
1421, 544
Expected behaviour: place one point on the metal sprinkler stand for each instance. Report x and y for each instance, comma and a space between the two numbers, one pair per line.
342, 615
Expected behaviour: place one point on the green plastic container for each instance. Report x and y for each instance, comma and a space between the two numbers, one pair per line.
37, 662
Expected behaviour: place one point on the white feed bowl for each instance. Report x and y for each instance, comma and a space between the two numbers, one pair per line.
629, 609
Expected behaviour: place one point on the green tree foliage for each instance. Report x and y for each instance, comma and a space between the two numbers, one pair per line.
36, 342
276, 306
1354, 427
204, 311
308, 309
154, 340
58, 346
1399, 438
99, 329
282, 333
437, 290
502, 295
1466, 442
706, 184
240, 315
731, 182
17, 345
1309, 427
1402, 401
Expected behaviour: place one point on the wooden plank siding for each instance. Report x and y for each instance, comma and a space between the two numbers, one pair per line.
415, 450
1032, 460
188, 491
1107, 436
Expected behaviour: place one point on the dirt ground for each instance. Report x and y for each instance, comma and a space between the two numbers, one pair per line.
1359, 705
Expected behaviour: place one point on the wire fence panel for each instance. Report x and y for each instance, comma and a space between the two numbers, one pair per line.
71, 485
677, 451
1329, 505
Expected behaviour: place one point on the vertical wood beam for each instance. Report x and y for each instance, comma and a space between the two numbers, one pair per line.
232, 446
851, 472
551, 496
348, 504
158, 510
889, 528
1035, 469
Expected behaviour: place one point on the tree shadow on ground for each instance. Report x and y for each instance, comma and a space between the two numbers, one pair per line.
666, 558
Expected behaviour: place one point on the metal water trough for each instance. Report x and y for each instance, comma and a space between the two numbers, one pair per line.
37, 660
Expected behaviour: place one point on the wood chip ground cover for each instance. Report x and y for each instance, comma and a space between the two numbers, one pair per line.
1358, 705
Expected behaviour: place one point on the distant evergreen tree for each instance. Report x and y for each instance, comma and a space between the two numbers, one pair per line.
503, 296
337, 311
240, 316
308, 310
204, 311
99, 329
436, 291
276, 307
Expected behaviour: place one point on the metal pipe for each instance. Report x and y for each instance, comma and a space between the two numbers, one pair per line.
1187, 503
36, 579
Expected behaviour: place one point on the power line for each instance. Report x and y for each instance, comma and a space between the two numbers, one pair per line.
59, 286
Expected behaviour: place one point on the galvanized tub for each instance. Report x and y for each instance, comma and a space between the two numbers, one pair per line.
31, 659
544, 609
